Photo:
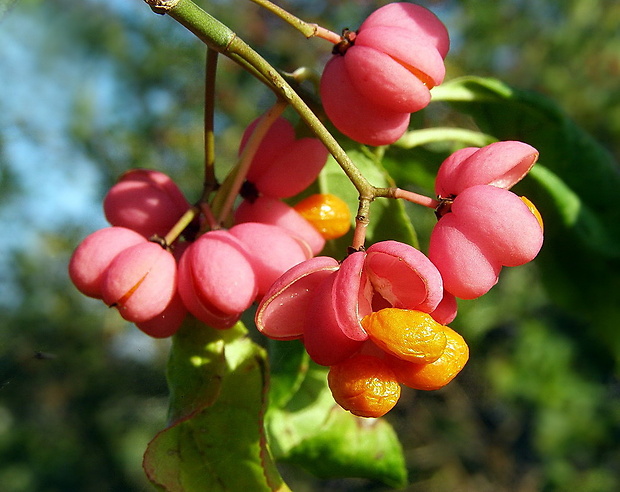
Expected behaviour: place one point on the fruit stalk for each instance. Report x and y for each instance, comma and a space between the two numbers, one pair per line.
307, 29
210, 182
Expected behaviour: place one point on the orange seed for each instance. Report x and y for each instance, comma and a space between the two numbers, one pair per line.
364, 385
436, 374
329, 214
410, 335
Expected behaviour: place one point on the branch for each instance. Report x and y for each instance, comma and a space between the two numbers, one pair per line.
307, 29
220, 38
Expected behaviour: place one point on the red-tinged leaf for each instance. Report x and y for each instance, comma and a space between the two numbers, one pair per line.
215, 440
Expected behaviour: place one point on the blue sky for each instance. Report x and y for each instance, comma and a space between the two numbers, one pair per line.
57, 185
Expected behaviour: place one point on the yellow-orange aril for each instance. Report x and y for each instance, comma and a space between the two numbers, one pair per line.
534, 210
329, 214
364, 385
410, 335
436, 374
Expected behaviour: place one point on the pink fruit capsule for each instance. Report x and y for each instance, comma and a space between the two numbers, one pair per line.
394, 68
353, 113
95, 253
388, 274
324, 339
168, 322
271, 249
466, 271
216, 277
414, 18
140, 281
146, 201
500, 164
395, 58
323, 302
283, 166
269, 210
282, 311
280, 135
445, 312
352, 296
499, 222
204, 312
403, 276
487, 228
294, 169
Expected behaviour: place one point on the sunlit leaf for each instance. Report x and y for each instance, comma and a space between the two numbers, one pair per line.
388, 219
574, 213
425, 136
215, 440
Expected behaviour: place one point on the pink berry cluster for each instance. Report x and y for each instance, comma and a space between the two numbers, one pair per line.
383, 72
282, 167
482, 227
322, 301
388, 303
215, 275
137, 276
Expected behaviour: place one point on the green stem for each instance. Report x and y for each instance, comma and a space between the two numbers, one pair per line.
307, 29
220, 38
212, 32
180, 226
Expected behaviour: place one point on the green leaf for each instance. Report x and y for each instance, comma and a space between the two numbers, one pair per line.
425, 136
288, 364
311, 430
215, 440
574, 214
349, 446
388, 219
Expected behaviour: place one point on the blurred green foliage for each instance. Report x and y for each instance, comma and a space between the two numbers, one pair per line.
82, 393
